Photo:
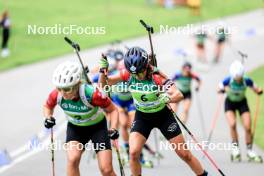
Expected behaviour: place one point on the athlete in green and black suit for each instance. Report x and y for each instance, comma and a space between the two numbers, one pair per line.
221, 34
183, 82
200, 38
122, 98
151, 91
235, 87
83, 106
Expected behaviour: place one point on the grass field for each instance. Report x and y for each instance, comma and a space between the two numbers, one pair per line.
119, 17
257, 76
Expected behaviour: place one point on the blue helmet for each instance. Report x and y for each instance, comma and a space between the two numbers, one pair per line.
136, 60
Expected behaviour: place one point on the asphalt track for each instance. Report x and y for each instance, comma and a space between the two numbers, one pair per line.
23, 91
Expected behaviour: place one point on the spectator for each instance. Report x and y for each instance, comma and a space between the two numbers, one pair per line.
5, 24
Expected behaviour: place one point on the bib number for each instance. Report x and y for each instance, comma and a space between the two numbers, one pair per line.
143, 98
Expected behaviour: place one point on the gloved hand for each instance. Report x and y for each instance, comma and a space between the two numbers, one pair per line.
260, 92
113, 134
221, 91
164, 98
49, 122
152, 59
103, 64
86, 69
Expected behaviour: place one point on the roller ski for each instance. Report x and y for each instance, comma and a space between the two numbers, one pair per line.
235, 155
146, 163
252, 156
154, 154
125, 155
125, 160
158, 155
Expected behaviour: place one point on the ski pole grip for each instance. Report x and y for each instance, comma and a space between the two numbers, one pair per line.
148, 28
68, 40
105, 70
242, 54
74, 45
144, 24
104, 56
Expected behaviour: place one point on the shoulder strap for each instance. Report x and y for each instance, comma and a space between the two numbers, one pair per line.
83, 96
59, 98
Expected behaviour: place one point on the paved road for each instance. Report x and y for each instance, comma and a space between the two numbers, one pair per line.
24, 90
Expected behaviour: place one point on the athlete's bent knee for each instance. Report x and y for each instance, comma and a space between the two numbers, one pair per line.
185, 155
107, 170
134, 154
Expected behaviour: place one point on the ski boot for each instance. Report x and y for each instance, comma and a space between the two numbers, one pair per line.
235, 155
254, 157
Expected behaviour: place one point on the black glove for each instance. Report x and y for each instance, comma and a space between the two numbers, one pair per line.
222, 91
86, 69
260, 92
113, 134
49, 122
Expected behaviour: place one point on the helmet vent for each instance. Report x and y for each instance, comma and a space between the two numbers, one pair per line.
59, 78
75, 70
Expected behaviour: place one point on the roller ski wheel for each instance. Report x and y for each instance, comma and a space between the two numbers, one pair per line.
125, 160
158, 155
253, 157
235, 158
147, 163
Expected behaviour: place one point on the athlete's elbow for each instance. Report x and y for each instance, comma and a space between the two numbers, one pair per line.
177, 97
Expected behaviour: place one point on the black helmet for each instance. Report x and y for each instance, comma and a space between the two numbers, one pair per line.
119, 55
187, 64
136, 60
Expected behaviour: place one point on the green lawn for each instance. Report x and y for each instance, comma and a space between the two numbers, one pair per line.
257, 76
119, 17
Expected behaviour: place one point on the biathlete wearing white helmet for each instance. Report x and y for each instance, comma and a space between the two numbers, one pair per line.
237, 83
86, 120
235, 87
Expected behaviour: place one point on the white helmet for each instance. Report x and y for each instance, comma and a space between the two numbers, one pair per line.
67, 74
236, 69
